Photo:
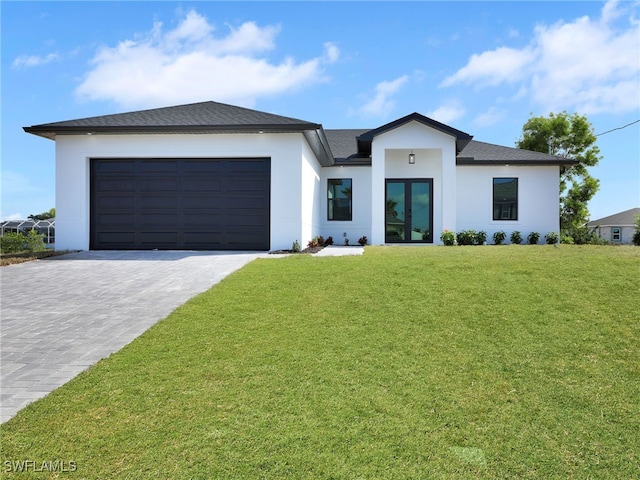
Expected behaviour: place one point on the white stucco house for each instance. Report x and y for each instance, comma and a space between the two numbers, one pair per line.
617, 228
209, 176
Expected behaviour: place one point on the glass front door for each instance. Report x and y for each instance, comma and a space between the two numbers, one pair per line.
409, 210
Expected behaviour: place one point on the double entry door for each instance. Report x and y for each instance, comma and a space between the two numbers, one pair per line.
409, 210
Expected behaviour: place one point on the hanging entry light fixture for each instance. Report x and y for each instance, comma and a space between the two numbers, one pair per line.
412, 158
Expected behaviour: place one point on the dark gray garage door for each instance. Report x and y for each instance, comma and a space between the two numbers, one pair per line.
182, 204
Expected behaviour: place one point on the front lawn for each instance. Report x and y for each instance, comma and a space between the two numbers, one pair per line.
438, 362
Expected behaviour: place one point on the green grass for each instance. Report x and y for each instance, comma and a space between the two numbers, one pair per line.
442, 362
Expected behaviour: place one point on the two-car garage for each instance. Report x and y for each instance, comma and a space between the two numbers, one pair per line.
180, 203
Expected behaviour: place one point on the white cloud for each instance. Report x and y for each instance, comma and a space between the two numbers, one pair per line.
490, 117
11, 216
493, 67
449, 112
331, 52
24, 61
381, 102
513, 33
190, 63
589, 65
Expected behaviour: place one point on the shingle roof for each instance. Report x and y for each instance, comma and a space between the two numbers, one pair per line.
481, 153
203, 116
626, 218
344, 146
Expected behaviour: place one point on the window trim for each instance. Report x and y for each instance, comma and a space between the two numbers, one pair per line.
501, 213
329, 200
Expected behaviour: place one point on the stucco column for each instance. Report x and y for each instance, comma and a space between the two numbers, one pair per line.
377, 194
72, 192
449, 195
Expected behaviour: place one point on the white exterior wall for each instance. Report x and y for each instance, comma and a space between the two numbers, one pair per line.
72, 174
360, 223
462, 196
435, 158
311, 197
538, 193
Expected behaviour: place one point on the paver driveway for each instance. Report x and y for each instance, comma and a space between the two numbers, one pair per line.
61, 315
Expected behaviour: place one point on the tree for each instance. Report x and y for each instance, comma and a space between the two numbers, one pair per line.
636, 234
572, 137
44, 215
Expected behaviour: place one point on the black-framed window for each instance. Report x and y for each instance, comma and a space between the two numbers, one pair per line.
505, 198
339, 195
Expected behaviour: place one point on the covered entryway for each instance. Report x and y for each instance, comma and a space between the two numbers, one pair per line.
180, 204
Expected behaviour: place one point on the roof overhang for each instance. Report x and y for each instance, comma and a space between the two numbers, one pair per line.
557, 161
313, 133
51, 131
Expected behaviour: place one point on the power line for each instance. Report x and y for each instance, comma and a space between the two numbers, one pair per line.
618, 128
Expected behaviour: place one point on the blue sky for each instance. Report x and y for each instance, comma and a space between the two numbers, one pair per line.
481, 67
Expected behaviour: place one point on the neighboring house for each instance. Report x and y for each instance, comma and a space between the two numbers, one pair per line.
617, 228
215, 176
44, 227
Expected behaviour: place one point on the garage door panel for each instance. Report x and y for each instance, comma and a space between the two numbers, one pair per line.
158, 185
246, 167
106, 168
212, 219
122, 202
158, 238
245, 217
158, 201
117, 219
116, 185
116, 238
199, 238
201, 204
190, 167
147, 167
240, 186
212, 185
159, 219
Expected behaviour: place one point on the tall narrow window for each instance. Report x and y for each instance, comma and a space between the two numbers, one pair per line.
339, 199
505, 199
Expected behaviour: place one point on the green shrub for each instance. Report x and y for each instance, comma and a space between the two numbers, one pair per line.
499, 236
12, 242
362, 240
295, 248
533, 238
584, 236
551, 238
636, 235
34, 241
466, 237
566, 239
448, 238
480, 237
516, 237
